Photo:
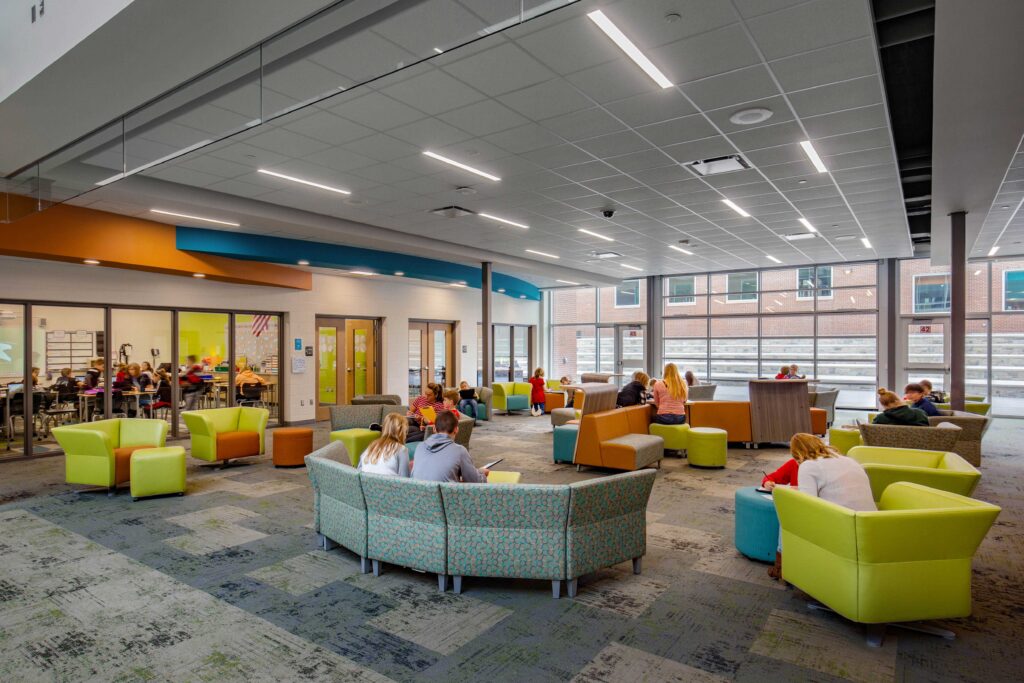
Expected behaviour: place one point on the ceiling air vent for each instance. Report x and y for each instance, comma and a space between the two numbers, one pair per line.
800, 236
452, 212
727, 164
601, 255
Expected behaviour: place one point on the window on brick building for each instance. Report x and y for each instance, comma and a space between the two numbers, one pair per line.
931, 293
627, 295
742, 287
681, 290
1013, 290
808, 279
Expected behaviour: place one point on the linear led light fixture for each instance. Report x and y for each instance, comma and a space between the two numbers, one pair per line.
626, 265
807, 224
594, 234
866, 242
627, 46
680, 249
799, 236
503, 220
360, 272
992, 251
302, 182
567, 282
457, 284
194, 218
464, 167
772, 258
541, 253
732, 205
812, 154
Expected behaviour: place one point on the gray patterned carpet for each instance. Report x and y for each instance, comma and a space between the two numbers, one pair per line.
226, 584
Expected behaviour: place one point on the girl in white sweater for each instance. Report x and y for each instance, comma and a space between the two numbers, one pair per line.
388, 455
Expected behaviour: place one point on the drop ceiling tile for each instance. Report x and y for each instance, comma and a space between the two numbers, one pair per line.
499, 70
828, 65
587, 171
853, 142
557, 156
339, 159
704, 55
546, 100
651, 107
611, 183
850, 160
214, 166
641, 161
570, 46
433, 92
524, 139
377, 111
483, 118
730, 89
614, 144
768, 136
735, 178
360, 56
381, 147
775, 155
580, 125
675, 131
708, 148
387, 174
429, 134
613, 81
424, 26
860, 92
287, 142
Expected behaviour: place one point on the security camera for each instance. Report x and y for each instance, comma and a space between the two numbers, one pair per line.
608, 213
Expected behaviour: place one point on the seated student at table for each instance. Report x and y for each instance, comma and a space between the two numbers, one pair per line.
934, 395
148, 371
917, 397
93, 374
35, 377
783, 372
896, 412
691, 379
827, 474
670, 397
192, 384
65, 385
245, 377
794, 372
388, 454
634, 393
163, 390
467, 399
441, 459
432, 397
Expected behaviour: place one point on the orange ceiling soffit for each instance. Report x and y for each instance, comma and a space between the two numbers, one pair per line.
73, 234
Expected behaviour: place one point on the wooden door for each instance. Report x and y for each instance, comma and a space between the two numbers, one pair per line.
431, 355
360, 358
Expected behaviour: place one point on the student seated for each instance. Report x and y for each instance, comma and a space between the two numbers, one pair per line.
441, 459
896, 412
430, 398
388, 454
916, 396
670, 397
634, 393
451, 397
934, 395
467, 399
794, 372
783, 372
691, 379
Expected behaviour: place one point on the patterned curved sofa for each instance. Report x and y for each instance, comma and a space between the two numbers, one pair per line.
535, 531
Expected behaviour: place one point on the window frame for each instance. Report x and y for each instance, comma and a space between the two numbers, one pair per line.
756, 293
809, 293
615, 298
692, 297
913, 293
1005, 278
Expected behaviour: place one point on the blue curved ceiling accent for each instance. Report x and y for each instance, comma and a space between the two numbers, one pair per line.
290, 252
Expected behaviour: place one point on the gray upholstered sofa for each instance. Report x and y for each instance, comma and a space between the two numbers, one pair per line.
921, 438
377, 399
968, 445
361, 416
701, 392
536, 531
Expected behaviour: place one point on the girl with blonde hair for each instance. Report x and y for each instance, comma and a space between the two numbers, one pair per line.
896, 412
670, 397
388, 455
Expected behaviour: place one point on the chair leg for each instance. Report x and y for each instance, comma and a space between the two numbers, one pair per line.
442, 582
376, 567
556, 589
110, 491
875, 635
364, 565
637, 561
572, 587
457, 584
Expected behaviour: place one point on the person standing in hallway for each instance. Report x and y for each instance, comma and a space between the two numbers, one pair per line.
537, 397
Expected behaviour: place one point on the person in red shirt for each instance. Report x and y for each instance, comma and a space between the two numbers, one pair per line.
783, 373
785, 475
537, 393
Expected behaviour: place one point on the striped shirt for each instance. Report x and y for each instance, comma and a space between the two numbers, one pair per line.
666, 404
421, 402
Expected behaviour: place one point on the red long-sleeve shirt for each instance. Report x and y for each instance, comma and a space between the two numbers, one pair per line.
537, 393
785, 474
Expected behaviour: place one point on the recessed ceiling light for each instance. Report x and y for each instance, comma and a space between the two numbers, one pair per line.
567, 282
992, 251
522, 296
772, 258
1004, 206
303, 262
627, 46
748, 117
301, 181
594, 234
91, 262
360, 272
501, 290
194, 218
813, 155
799, 236
503, 220
688, 253
732, 205
399, 273
866, 242
807, 224
626, 265
541, 253
199, 275
464, 167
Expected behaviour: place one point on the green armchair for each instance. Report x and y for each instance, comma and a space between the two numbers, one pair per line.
223, 434
938, 470
99, 453
908, 561
509, 396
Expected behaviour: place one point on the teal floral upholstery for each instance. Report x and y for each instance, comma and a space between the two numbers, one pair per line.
339, 511
607, 521
405, 522
506, 530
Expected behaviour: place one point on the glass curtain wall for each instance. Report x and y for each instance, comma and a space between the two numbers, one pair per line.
513, 352
256, 361
12, 379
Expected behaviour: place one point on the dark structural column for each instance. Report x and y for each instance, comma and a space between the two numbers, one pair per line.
485, 328
890, 276
652, 337
958, 308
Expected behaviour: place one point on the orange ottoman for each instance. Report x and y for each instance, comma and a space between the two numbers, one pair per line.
819, 420
291, 446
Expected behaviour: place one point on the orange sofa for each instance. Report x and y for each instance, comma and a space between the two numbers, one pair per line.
618, 439
734, 418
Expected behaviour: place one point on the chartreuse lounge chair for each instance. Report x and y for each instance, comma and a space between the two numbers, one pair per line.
939, 470
223, 434
99, 453
909, 561
509, 396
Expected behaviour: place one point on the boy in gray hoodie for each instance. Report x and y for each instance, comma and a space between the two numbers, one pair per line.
441, 459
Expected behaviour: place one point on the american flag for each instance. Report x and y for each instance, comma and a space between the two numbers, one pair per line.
260, 323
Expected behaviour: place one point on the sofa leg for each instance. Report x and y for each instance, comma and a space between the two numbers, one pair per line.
224, 464
875, 635
637, 562
442, 582
573, 585
364, 565
556, 589
376, 567
111, 491
577, 468
457, 584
